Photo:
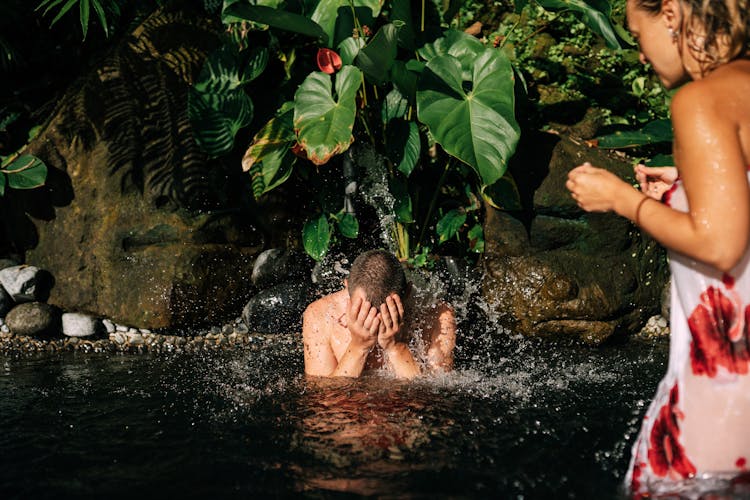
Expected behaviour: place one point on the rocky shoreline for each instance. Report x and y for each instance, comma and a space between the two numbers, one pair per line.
136, 341
29, 324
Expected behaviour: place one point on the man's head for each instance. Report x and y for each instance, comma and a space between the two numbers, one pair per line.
378, 273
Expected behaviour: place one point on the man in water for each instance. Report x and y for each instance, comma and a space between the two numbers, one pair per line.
371, 322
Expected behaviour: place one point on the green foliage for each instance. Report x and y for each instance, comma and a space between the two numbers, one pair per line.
420, 94
316, 237
338, 18
593, 13
85, 8
324, 124
348, 225
275, 18
21, 171
269, 159
477, 125
653, 133
218, 107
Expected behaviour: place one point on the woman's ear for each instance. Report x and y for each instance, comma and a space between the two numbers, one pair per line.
671, 12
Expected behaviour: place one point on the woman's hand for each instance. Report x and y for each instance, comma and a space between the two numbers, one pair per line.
363, 323
391, 320
655, 181
594, 189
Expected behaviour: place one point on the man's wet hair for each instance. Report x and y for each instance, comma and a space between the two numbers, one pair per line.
378, 273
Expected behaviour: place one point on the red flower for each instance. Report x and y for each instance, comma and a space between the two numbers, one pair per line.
328, 61
718, 338
665, 453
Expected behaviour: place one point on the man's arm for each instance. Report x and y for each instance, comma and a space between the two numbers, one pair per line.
317, 326
316, 339
363, 323
442, 337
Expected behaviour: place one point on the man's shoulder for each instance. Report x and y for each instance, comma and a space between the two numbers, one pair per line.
325, 306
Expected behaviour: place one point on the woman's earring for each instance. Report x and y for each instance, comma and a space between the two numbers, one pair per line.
673, 33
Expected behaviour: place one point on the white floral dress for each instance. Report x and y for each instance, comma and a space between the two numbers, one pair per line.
698, 425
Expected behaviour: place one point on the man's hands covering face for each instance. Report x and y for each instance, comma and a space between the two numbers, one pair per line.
391, 320
363, 322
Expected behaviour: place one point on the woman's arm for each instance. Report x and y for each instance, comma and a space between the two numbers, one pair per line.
713, 171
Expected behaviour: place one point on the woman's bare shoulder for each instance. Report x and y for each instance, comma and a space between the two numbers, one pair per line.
724, 91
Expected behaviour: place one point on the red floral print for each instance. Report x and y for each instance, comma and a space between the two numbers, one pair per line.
728, 280
718, 338
328, 61
665, 453
635, 483
666, 198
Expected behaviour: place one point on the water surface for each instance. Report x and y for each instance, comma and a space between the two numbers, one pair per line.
517, 419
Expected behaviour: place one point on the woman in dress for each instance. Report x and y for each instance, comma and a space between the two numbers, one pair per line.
698, 425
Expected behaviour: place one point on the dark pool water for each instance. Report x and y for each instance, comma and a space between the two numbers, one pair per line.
517, 419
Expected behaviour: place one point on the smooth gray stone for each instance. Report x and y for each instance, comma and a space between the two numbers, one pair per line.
23, 283
278, 309
276, 265
34, 319
109, 325
6, 302
81, 325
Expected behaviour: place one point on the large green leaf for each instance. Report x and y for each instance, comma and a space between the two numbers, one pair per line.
593, 13
268, 159
404, 145
477, 126
273, 171
316, 237
221, 71
324, 124
275, 18
458, 44
327, 13
653, 133
25, 172
377, 57
349, 49
216, 118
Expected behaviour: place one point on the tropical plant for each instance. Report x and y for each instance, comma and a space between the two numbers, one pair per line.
426, 98
100, 9
20, 170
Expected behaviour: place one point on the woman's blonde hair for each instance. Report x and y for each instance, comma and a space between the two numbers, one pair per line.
718, 31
